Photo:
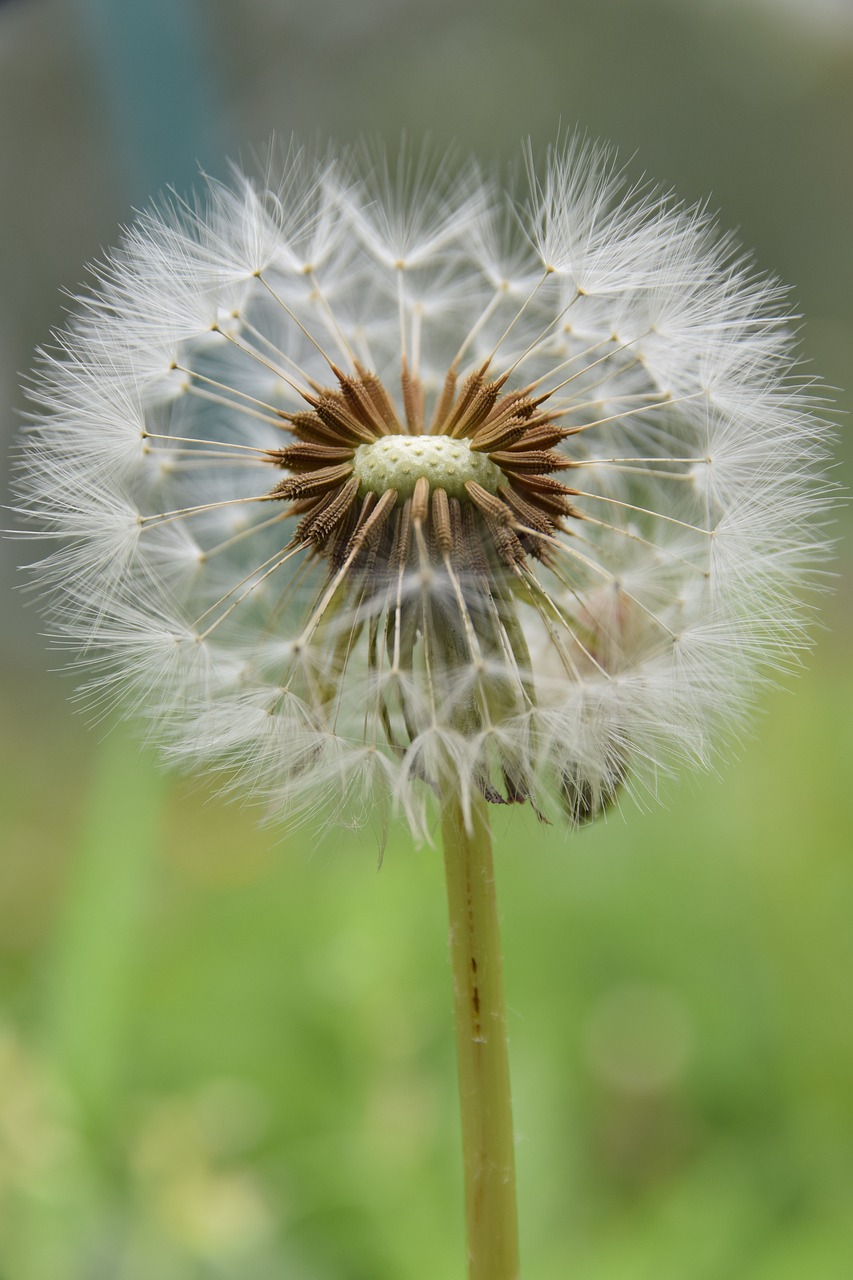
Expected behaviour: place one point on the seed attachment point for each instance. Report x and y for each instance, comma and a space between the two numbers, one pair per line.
399, 461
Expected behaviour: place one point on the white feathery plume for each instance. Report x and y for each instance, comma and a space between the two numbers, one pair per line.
367, 476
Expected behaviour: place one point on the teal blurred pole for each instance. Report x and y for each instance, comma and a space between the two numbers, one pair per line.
156, 77
159, 88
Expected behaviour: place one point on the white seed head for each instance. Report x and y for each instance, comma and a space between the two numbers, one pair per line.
363, 485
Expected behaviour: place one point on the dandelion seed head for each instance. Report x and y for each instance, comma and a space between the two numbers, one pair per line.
368, 480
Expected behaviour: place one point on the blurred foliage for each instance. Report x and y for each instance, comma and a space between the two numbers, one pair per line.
281, 1094
224, 1054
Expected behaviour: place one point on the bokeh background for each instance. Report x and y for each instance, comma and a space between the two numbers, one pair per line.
228, 1053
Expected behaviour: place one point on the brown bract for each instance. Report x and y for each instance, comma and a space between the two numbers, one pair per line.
480, 532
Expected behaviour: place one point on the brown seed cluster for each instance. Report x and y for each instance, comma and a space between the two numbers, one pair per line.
476, 531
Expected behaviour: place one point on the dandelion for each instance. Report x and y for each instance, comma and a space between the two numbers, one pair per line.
384, 492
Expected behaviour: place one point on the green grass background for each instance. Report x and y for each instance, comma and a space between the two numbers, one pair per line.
224, 1054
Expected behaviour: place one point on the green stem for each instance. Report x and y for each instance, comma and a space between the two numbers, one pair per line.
481, 1041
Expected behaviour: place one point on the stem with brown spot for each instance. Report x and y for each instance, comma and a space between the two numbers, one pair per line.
481, 1040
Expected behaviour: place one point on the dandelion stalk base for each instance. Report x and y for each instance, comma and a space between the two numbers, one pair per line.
482, 1049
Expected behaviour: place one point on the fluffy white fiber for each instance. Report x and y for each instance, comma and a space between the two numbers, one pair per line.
637, 640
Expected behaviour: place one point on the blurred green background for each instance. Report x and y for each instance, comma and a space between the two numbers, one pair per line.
224, 1053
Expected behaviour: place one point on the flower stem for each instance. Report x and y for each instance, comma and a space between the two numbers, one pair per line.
481, 1043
